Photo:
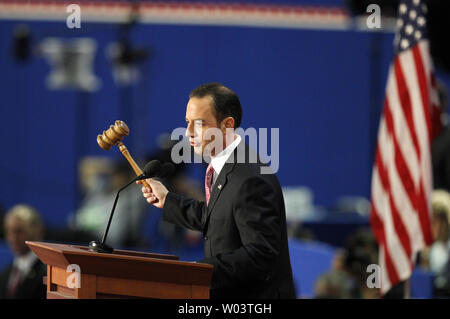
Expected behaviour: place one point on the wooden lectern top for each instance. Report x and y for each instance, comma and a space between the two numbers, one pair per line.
127, 266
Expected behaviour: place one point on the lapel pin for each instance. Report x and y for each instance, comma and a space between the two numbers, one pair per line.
219, 186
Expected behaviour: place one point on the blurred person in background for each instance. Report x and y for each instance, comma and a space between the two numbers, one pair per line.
436, 257
361, 250
298, 231
335, 284
180, 183
100, 180
2, 235
440, 148
23, 279
348, 275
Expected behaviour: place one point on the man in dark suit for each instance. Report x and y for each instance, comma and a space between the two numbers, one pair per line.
23, 279
243, 217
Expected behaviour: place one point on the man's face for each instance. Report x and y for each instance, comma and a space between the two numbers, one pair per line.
199, 118
16, 234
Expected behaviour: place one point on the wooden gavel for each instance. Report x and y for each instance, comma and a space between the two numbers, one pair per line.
114, 136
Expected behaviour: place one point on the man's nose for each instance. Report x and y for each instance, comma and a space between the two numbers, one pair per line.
189, 131
187, 134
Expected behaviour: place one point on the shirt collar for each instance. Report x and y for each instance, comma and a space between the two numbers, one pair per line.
220, 159
25, 263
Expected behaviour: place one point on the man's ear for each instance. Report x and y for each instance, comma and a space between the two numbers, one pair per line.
227, 123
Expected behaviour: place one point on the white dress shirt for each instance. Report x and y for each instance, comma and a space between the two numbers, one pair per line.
219, 160
24, 264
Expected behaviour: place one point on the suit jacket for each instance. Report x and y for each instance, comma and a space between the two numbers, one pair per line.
244, 228
31, 287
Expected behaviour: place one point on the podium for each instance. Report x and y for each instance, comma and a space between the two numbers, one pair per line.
122, 274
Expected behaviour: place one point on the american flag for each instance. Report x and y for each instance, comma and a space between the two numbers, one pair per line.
402, 174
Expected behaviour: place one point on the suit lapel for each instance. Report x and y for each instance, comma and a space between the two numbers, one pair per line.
239, 155
219, 185
222, 179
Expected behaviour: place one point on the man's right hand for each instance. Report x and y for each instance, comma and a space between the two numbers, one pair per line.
156, 195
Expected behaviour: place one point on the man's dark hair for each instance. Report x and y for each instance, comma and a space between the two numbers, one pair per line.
226, 102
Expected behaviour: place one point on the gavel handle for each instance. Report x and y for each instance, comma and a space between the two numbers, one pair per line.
130, 160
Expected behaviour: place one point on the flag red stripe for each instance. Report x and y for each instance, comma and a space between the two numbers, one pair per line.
378, 227
423, 86
424, 217
436, 123
424, 214
405, 102
415, 198
398, 224
400, 162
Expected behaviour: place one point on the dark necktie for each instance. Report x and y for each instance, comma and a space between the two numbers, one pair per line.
13, 282
208, 182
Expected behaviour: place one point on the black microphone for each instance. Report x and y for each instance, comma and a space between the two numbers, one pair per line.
151, 169
167, 169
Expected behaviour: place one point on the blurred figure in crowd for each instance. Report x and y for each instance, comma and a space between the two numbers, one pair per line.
23, 279
335, 284
361, 250
348, 276
179, 183
441, 144
1, 222
100, 180
436, 257
298, 231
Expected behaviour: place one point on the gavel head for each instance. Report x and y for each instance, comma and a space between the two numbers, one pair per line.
113, 135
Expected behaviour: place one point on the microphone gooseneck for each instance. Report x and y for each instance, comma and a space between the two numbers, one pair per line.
151, 169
